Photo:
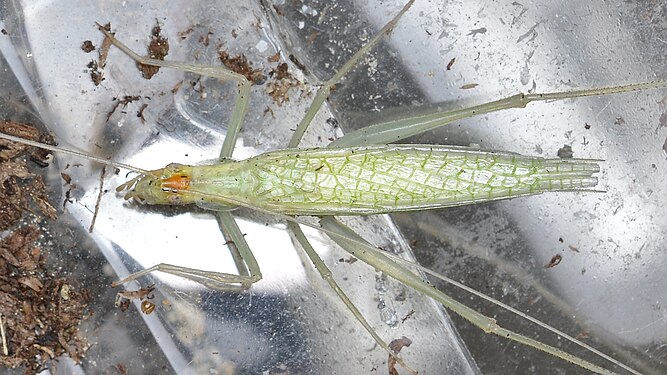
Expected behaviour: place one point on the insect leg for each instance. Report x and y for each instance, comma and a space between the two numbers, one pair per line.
220, 72
396, 130
243, 256
352, 242
324, 91
247, 266
249, 272
325, 272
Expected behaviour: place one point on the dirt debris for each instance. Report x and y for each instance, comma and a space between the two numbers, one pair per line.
158, 48
40, 311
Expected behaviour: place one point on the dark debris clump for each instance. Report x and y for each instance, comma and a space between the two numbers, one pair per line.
40, 312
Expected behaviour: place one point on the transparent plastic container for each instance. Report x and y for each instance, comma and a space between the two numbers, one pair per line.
608, 289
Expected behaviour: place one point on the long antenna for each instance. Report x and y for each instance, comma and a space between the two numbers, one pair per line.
73, 153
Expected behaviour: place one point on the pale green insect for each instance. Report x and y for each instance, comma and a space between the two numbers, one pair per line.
362, 180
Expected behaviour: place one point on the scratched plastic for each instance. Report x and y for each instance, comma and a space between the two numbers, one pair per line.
608, 288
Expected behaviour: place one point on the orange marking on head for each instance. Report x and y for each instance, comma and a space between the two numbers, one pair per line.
177, 182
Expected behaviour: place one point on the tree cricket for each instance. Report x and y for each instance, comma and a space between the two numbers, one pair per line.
312, 163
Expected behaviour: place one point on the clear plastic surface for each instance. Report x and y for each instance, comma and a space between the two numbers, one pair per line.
607, 290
